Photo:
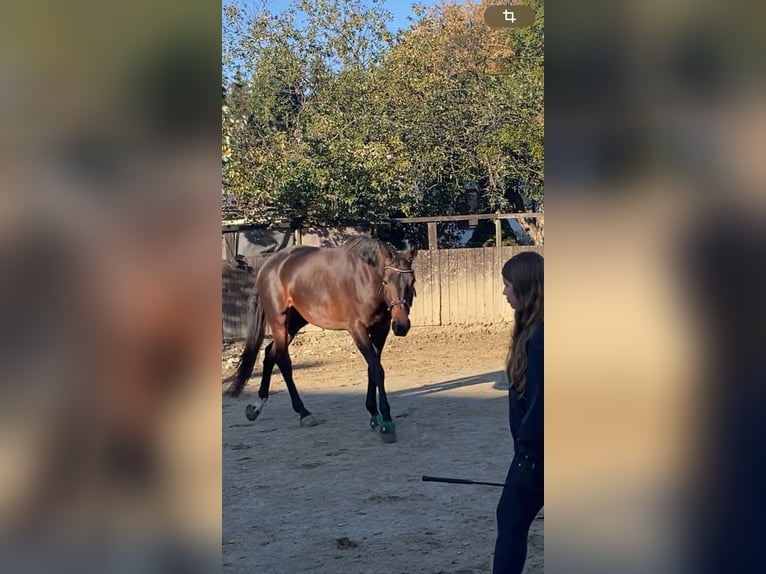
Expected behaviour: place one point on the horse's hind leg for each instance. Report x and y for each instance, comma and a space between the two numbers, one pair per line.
295, 323
283, 336
252, 411
269, 360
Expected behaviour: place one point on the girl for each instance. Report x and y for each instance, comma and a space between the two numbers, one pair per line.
522, 496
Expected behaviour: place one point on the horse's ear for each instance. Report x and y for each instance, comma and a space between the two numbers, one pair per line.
410, 254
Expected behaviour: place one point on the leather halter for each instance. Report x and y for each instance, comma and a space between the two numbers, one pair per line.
399, 270
401, 302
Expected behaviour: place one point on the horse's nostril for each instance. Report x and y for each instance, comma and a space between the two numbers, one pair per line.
400, 329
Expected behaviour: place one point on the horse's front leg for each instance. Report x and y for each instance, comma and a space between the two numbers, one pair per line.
375, 381
388, 427
372, 403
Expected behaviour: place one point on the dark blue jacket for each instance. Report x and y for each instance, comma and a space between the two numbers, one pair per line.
526, 413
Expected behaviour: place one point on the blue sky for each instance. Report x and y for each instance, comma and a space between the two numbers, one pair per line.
399, 9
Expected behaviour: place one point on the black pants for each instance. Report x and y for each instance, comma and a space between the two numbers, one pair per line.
516, 510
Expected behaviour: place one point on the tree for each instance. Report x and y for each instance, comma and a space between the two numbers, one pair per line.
332, 117
468, 101
293, 150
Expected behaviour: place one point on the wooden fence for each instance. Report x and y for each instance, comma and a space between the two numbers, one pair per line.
462, 286
250, 239
454, 286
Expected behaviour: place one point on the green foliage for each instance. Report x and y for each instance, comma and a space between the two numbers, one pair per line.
484, 234
331, 117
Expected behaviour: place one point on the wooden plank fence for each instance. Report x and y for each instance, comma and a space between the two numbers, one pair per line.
454, 287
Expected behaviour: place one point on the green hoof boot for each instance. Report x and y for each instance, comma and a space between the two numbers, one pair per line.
376, 421
388, 432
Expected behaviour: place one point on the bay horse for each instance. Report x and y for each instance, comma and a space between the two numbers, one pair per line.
364, 287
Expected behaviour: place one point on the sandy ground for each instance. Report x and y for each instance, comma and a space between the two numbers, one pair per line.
335, 499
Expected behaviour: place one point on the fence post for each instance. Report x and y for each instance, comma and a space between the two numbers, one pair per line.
432, 240
232, 245
298, 236
498, 232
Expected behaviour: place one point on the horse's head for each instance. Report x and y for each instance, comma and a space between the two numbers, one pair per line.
399, 289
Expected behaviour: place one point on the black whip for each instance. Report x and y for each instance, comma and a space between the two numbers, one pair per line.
427, 478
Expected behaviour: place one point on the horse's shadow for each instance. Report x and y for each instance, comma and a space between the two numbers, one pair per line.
497, 378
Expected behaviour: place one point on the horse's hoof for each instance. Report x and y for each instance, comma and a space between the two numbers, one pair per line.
388, 437
309, 421
251, 412
376, 421
388, 432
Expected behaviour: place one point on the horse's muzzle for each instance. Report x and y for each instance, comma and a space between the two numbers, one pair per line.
400, 329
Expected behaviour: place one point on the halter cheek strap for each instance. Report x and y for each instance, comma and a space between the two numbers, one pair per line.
401, 302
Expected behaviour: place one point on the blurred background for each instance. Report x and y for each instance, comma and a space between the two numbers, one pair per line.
109, 247
109, 135
656, 115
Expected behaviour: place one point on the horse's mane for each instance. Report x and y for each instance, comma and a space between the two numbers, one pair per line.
368, 249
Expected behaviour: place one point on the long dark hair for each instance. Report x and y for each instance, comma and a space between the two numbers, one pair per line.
525, 272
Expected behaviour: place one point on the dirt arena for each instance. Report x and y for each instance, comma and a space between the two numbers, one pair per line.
334, 499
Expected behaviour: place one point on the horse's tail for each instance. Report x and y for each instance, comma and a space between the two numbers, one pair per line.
255, 334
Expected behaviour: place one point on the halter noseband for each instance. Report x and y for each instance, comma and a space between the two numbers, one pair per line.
401, 302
